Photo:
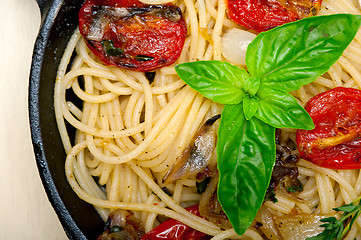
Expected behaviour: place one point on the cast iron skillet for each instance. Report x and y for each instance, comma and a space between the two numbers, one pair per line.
59, 20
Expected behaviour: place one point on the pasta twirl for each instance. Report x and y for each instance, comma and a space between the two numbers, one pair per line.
130, 130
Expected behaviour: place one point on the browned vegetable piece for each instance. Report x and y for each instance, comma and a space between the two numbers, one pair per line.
197, 155
285, 171
266, 224
300, 226
210, 208
122, 225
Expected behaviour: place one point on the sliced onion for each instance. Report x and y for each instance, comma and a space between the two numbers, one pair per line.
197, 155
268, 227
122, 235
194, 158
300, 226
234, 45
118, 12
210, 208
96, 31
358, 4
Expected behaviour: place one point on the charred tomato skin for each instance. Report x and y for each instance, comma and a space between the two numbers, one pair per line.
335, 142
262, 15
142, 38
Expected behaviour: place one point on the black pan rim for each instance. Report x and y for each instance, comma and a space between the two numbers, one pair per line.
69, 225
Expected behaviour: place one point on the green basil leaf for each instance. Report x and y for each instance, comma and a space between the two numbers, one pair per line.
251, 85
220, 81
280, 109
292, 55
250, 106
246, 154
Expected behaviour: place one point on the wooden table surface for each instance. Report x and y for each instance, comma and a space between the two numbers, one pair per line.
25, 211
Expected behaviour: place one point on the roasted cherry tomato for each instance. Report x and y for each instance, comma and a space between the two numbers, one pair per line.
173, 230
335, 142
262, 15
132, 35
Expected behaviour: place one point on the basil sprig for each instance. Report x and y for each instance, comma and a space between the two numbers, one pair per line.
256, 102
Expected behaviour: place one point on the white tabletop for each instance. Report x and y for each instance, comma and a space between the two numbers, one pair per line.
25, 211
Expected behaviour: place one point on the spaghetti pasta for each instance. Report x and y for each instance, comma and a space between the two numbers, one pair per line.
130, 131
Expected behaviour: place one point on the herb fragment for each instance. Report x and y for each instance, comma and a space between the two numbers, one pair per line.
110, 49
167, 191
116, 229
338, 228
294, 188
143, 58
257, 102
271, 196
201, 186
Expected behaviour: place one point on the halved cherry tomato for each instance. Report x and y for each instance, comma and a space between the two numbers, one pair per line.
262, 15
335, 142
173, 230
132, 35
